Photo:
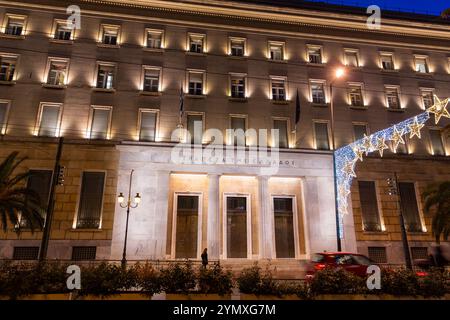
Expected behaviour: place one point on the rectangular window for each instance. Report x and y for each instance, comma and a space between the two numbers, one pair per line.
237, 47
238, 124
101, 118
369, 206
196, 43
187, 227
351, 58
437, 145
151, 79
278, 89
4, 110
356, 96
315, 54
25, 253
236, 214
147, 130
392, 98
377, 254
321, 135
419, 253
105, 76
83, 253
410, 206
387, 61
318, 93
237, 86
196, 83
7, 67
154, 39
195, 128
63, 31
110, 35
57, 72
359, 130
91, 200
276, 51
284, 227
49, 120
282, 127
427, 98
421, 64
15, 25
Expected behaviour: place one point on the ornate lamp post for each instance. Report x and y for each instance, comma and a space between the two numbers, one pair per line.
128, 205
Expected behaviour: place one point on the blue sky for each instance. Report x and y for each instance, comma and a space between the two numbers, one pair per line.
422, 6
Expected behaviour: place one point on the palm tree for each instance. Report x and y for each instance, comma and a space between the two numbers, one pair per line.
437, 203
15, 200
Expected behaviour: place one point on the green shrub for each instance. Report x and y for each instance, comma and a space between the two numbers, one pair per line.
252, 281
148, 279
178, 278
337, 281
401, 282
434, 284
215, 280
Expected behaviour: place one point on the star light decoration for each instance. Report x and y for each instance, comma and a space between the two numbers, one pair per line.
347, 157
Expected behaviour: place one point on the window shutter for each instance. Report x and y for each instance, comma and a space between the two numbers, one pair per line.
192, 119
49, 121
321, 130
410, 207
3, 108
281, 125
369, 206
91, 200
436, 142
100, 124
148, 126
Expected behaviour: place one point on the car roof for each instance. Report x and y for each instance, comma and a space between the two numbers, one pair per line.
336, 253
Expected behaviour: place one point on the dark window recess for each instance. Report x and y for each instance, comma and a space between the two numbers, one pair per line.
284, 227
84, 253
410, 207
91, 199
419, 253
187, 227
378, 254
369, 206
236, 227
25, 253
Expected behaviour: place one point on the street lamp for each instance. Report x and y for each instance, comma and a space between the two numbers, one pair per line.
339, 73
128, 204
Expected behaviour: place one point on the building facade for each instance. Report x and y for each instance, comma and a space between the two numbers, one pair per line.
113, 87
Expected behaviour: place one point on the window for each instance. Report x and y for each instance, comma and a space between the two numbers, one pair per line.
151, 79
15, 25
437, 144
57, 72
369, 206
421, 64
91, 200
284, 227
410, 206
110, 35
83, 253
392, 98
377, 254
321, 135
359, 130
49, 120
238, 86
195, 128
100, 122
236, 224
418, 253
39, 182
387, 61
356, 96
282, 126
187, 226
62, 31
278, 89
237, 47
7, 67
154, 39
276, 51
196, 82
315, 54
427, 98
317, 93
4, 110
238, 125
25, 253
147, 125
196, 43
351, 57
105, 76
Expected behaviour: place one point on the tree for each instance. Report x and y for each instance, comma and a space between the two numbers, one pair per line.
15, 200
437, 204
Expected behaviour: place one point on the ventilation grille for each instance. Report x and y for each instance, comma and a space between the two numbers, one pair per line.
84, 253
419, 253
25, 253
378, 254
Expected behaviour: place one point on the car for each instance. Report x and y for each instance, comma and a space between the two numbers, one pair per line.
352, 262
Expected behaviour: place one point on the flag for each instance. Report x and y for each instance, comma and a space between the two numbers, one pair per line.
181, 102
297, 110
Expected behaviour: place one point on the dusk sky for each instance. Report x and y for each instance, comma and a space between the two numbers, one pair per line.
423, 6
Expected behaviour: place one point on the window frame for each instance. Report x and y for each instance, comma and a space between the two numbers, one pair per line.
357, 123
47, 72
288, 131
397, 89
425, 59
360, 86
142, 85
188, 43
101, 36
419, 205
91, 119
297, 252
426, 90
4, 125
285, 82
352, 51
6, 21
230, 138
96, 74
442, 140
316, 47
188, 82
139, 123
282, 45
379, 206
5, 55
195, 113
37, 126
244, 47
387, 54
244, 76
330, 144
324, 85
147, 31
56, 23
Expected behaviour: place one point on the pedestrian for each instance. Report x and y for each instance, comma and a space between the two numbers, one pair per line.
204, 258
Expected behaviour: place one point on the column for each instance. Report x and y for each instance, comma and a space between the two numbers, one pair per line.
161, 208
213, 227
266, 220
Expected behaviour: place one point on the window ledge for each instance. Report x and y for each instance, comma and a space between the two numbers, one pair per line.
10, 36
238, 99
281, 102
53, 86
237, 57
369, 233
277, 61
358, 107
150, 93
59, 41
196, 96
390, 70
319, 105
104, 90
424, 74
7, 83
417, 233
396, 110
109, 46
316, 64
201, 54
86, 230
159, 50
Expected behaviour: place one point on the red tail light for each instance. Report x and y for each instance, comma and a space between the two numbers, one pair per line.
421, 273
320, 266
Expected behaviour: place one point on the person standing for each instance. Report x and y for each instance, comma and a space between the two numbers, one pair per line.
204, 258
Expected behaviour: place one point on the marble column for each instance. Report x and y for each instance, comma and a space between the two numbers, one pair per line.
161, 209
266, 220
213, 226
